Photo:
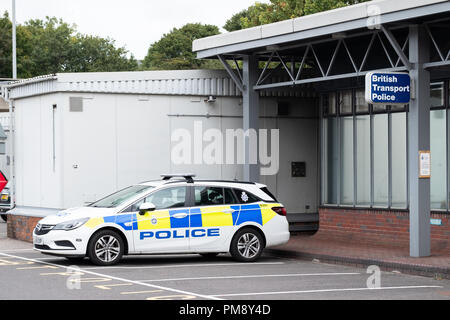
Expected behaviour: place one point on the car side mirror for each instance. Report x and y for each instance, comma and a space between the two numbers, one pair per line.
145, 207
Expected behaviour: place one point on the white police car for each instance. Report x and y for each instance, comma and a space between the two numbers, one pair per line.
168, 216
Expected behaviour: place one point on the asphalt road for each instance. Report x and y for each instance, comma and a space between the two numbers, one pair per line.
26, 274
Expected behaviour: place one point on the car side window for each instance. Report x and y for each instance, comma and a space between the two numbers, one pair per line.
245, 196
208, 196
168, 198
134, 207
230, 197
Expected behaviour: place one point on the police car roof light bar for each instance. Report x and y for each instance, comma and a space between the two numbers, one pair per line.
188, 176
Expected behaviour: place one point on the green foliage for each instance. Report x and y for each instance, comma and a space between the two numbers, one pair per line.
252, 16
51, 46
314, 6
174, 50
278, 10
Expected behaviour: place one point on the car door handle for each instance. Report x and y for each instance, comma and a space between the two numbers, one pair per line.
180, 215
228, 211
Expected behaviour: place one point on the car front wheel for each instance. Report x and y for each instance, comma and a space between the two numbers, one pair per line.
4, 217
105, 248
247, 245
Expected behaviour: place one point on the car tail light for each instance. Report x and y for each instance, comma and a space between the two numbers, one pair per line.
280, 210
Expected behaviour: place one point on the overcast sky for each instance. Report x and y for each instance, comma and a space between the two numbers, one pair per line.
134, 24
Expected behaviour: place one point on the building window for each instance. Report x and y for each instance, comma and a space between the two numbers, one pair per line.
345, 102
329, 104
363, 160
365, 153
399, 160
331, 160
380, 160
361, 105
346, 146
358, 153
437, 94
438, 148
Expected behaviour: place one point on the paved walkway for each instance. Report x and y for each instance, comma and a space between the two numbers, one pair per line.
389, 259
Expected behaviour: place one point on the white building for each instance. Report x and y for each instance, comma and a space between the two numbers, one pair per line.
78, 137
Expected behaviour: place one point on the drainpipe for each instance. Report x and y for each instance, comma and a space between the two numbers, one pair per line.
11, 150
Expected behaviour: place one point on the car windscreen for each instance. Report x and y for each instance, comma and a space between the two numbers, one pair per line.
120, 197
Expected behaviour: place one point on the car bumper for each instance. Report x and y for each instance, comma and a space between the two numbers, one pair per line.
5, 206
277, 231
60, 243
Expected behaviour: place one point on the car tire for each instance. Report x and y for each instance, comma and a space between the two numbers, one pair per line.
247, 245
106, 248
209, 254
4, 217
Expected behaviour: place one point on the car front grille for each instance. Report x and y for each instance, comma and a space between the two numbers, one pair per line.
42, 247
42, 229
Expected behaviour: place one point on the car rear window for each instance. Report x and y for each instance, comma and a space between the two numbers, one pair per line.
245, 196
266, 191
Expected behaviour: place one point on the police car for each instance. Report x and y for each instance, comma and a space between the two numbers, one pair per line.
172, 215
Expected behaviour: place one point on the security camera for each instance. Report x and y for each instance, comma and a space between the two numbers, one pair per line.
210, 99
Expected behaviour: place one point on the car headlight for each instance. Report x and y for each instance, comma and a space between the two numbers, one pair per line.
70, 225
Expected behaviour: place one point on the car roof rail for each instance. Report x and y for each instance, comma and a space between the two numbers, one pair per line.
188, 176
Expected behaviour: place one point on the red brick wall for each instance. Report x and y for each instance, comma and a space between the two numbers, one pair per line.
21, 227
378, 227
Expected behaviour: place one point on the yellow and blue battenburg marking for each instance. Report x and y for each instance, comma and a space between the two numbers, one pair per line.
195, 218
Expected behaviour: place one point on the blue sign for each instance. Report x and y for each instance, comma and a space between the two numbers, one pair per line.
388, 88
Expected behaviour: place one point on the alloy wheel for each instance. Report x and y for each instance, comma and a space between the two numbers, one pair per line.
107, 248
248, 245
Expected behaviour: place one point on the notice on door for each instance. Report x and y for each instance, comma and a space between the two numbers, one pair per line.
424, 164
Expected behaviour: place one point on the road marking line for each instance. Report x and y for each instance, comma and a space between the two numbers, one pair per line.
109, 286
178, 297
13, 263
41, 267
16, 250
89, 280
256, 276
189, 265
320, 290
64, 274
116, 278
139, 292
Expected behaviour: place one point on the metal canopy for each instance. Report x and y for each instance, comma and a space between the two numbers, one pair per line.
347, 49
342, 56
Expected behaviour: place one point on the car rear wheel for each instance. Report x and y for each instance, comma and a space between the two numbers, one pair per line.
105, 248
247, 245
4, 217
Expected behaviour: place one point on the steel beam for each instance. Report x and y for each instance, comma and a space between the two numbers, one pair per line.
236, 79
326, 78
419, 140
250, 102
396, 46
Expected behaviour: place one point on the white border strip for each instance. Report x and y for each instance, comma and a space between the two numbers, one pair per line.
256, 276
321, 290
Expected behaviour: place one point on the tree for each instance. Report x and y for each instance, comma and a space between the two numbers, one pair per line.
5, 47
51, 46
174, 50
22, 47
95, 54
278, 10
252, 16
